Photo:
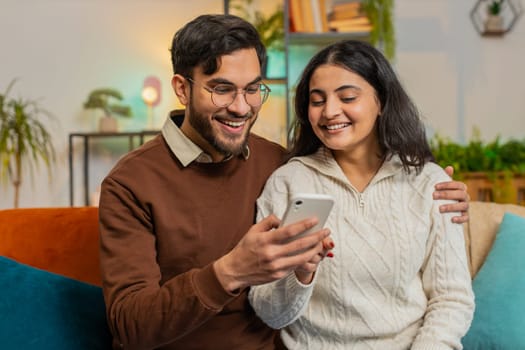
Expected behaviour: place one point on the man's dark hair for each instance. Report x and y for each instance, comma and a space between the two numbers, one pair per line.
208, 37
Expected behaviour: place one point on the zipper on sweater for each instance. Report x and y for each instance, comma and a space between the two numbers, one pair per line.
361, 201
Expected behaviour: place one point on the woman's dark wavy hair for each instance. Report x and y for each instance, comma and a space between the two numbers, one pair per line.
208, 37
399, 128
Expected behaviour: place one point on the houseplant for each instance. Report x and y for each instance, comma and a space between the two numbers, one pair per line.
102, 99
494, 21
493, 170
25, 141
270, 27
381, 16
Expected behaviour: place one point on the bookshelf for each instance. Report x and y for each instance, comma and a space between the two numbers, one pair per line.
323, 39
300, 44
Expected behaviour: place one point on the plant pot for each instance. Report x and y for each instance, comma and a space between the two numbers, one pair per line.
494, 23
107, 124
495, 187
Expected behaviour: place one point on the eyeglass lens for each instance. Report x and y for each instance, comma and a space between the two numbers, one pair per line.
255, 95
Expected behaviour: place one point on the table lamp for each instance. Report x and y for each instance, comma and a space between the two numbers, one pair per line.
151, 94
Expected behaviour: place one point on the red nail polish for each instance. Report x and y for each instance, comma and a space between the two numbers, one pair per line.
330, 254
332, 244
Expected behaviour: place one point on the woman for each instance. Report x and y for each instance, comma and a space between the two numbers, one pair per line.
399, 277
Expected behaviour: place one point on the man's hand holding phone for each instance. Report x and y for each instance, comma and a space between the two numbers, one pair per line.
269, 251
310, 205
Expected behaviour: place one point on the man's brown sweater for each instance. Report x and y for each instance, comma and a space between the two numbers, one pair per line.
162, 227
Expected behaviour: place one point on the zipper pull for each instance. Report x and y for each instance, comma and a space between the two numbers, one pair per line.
361, 200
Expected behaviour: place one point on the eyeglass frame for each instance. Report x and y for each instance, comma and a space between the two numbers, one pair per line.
265, 96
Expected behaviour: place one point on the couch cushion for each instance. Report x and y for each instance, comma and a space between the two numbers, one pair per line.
60, 240
43, 310
499, 288
484, 220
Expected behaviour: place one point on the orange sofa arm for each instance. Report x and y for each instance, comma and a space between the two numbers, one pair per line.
61, 240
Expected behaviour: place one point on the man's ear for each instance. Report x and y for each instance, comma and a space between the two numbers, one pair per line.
181, 89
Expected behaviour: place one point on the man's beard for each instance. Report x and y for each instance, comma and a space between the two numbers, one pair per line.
202, 125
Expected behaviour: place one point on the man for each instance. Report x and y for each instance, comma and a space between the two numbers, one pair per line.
179, 249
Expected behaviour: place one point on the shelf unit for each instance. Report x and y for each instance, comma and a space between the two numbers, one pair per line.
510, 11
86, 137
323, 39
299, 48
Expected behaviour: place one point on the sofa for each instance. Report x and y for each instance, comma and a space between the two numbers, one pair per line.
50, 280
52, 298
495, 243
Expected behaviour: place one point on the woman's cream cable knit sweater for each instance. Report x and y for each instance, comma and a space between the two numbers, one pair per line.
399, 278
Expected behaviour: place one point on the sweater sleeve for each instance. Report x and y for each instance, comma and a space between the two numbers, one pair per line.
142, 312
447, 284
281, 302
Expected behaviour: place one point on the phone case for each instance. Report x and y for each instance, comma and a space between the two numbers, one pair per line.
307, 205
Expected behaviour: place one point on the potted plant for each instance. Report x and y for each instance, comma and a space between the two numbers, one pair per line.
24, 139
102, 99
494, 20
492, 170
270, 27
381, 16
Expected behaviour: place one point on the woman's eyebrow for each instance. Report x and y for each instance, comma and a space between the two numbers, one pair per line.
344, 87
340, 88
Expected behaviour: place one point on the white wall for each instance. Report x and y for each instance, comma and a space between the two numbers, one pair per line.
459, 79
62, 49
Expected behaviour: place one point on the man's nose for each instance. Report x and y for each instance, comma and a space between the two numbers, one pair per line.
239, 105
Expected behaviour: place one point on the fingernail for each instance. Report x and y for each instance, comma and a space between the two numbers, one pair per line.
330, 254
332, 244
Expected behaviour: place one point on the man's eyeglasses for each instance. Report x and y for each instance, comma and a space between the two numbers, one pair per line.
223, 95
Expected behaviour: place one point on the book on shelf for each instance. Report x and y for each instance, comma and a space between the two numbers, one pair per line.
353, 29
296, 17
319, 15
311, 16
357, 20
308, 16
348, 17
345, 10
356, 24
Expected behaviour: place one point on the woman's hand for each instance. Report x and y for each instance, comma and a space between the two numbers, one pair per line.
305, 273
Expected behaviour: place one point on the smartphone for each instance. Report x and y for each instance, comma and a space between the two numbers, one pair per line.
307, 205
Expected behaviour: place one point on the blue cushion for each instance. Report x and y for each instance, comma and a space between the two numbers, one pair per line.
499, 287
43, 310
